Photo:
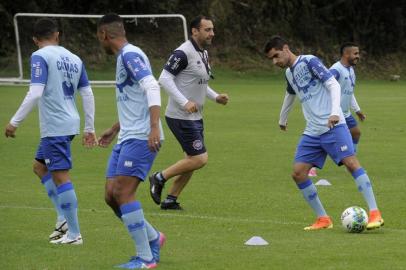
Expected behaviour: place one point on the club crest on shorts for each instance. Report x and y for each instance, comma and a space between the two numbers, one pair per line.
344, 148
197, 144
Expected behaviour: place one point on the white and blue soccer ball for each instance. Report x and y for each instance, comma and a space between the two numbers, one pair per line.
354, 219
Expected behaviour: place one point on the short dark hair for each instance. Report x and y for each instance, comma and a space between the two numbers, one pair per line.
195, 23
276, 42
44, 28
109, 18
347, 45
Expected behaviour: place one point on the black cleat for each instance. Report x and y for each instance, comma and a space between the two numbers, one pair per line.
155, 188
170, 205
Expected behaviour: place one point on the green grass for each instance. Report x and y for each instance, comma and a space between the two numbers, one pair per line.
245, 190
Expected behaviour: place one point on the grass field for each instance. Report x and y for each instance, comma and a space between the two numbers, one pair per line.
245, 190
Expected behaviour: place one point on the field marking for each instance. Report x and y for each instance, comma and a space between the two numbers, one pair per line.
214, 218
174, 215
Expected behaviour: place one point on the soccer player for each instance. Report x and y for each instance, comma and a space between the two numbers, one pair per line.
56, 74
139, 139
185, 78
326, 132
343, 71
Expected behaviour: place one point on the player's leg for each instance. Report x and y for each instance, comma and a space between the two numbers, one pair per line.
176, 188
110, 180
308, 154
134, 162
365, 187
57, 155
354, 130
42, 172
190, 136
340, 148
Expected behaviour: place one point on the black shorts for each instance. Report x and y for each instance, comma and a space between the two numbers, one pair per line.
189, 134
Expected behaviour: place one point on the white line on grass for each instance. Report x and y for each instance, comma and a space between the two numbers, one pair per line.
214, 218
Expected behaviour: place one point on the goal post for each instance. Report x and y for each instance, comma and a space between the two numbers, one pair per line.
131, 18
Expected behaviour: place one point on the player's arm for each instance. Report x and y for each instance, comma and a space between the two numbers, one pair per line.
139, 71
108, 135
89, 136
39, 77
287, 106
355, 107
324, 75
213, 95
176, 63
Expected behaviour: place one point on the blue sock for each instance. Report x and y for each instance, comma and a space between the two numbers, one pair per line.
152, 233
309, 192
69, 205
365, 187
50, 187
133, 218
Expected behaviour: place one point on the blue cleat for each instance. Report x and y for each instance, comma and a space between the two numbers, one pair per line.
156, 245
138, 263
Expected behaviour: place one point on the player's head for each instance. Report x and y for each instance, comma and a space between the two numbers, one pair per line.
110, 28
45, 29
201, 29
350, 53
277, 49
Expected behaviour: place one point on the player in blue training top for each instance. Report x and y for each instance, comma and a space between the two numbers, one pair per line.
326, 132
56, 74
139, 139
344, 73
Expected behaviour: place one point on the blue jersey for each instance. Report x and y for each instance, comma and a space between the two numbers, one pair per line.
132, 104
346, 78
62, 73
306, 79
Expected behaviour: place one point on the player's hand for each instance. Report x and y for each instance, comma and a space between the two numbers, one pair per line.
361, 116
107, 137
154, 139
10, 131
283, 127
222, 99
191, 107
89, 139
333, 120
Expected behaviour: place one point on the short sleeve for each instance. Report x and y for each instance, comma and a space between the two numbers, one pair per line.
317, 68
39, 70
83, 80
176, 62
136, 66
335, 73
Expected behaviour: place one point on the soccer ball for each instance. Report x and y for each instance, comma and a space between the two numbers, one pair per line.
354, 219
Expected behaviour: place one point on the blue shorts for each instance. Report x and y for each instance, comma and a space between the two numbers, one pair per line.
130, 158
336, 143
55, 152
189, 134
351, 122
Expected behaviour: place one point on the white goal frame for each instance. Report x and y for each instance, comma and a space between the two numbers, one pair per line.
20, 79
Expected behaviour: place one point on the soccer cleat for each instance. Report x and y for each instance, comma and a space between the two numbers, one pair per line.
312, 172
375, 220
60, 230
138, 263
170, 205
156, 246
321, 223
68, 241
156, 187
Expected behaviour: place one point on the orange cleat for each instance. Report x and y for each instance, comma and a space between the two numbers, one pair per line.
375, 220
321, 223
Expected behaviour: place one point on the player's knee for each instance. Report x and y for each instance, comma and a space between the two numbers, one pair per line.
298, 175
201, 160
39, 169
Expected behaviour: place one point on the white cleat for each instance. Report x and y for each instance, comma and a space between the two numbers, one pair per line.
68, 241
60, 230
